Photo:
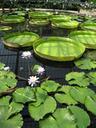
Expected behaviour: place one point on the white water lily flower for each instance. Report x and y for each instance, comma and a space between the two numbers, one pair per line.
6, 68
26, 55
33, 80
40, 70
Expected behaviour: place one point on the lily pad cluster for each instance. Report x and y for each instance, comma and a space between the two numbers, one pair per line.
43, 101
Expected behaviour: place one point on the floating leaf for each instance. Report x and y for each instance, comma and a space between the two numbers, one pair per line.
65, 98
7, 81
64, 117
81, 121
38, 112
9, 116
90, 104
61, 118
77, 78
64, 89
92, 77
79, 94
23, 95
90, 55
85, 63
40, 95
49, 122
50, 86
2, 66
63, 95
35, 68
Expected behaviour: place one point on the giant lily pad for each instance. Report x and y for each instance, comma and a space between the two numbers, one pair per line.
89, 26
88, 38
55, 18
39, 22
16, 40
5, 28
39, 15
12, 19
58, 49
68, 24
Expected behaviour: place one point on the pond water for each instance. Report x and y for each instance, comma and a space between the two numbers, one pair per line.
54, 70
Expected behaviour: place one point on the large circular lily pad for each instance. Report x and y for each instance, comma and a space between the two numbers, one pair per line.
55, 18
5, 28
39, 22
68, 24
39, 15
12, 19
89, 26
16, 40
88, 38
58, 49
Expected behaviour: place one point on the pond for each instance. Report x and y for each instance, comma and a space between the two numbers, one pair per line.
54, 70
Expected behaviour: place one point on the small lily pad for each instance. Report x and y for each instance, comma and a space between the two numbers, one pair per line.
50, 86
77, 78
85, 63
38, 112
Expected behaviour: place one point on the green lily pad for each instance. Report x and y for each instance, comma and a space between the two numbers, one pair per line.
92, 77
40, 95
67, 119
5, 28
58, 49
12, 19
56, 18
38, 112
68, 24
23, 95
38, 22
85, 63
90, 104
82, 121
90, 54
16, 40
77, 78
9, 113
65, 99
2, 66
85, 37
89, 25
50, 86
39, 15
7, 81
61, 118
79, 94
